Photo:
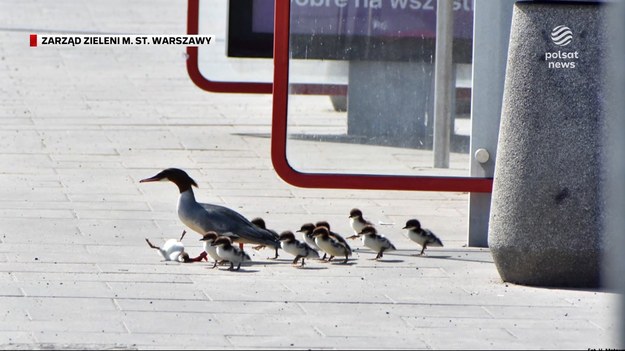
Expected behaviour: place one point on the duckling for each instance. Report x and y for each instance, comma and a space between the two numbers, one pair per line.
376, 242
230, 253
334, 235
330, 245
423, 237
307, 233
260, 223
357, 222
208, 239
173, 250
296, 248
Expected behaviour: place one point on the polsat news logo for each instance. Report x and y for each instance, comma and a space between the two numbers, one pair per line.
39, 40
562, 35
563, 58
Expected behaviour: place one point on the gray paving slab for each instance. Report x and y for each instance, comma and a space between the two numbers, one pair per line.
126, 341
80, 127
208, 306
14, 338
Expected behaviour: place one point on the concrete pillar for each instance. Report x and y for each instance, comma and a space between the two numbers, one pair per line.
545, 223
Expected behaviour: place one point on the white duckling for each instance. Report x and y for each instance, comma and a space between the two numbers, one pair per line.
208, 239
376, 242
307, 233
423, 237
330, 245
230, 253
173, 250
296, 248
334, 235
357, 222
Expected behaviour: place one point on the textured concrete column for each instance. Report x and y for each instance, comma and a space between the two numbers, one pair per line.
545, 225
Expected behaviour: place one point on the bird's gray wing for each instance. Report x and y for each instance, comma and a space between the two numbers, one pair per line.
432, 238
224, 220
340, 239
388, 243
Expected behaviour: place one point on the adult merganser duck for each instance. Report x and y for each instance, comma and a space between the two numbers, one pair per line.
173, 250
330, 245
296, 248
203, 218
230, 253
423, 237
376, 242
260, 223
357, 222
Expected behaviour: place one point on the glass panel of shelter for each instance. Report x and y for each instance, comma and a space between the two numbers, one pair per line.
382, 53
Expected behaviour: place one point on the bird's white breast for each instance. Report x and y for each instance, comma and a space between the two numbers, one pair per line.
357, 225
233, 255
330, 246
211, 251
292, 248
417, 237
374, 243
311, 242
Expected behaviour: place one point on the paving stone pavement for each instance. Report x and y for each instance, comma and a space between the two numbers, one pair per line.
80, 127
